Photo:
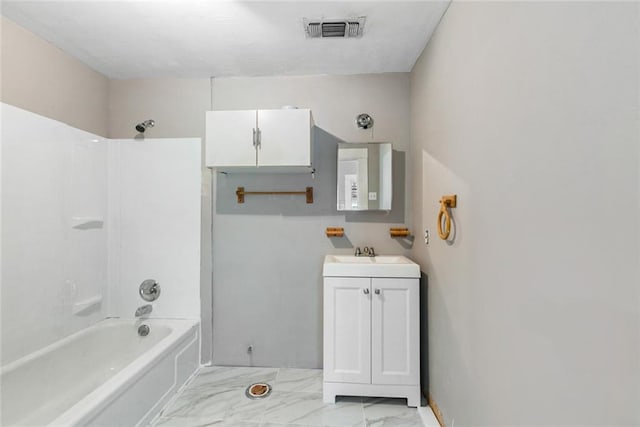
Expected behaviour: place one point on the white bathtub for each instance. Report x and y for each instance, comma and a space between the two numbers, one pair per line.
106, 375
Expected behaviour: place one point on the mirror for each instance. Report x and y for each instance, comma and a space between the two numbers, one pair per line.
364, 177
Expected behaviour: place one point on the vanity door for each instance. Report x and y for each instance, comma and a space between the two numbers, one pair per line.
347, 329
395, 331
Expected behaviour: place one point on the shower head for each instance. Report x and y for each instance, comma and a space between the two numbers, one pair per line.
141, 127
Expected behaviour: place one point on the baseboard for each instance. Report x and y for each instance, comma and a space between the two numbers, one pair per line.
436, 411
428, 417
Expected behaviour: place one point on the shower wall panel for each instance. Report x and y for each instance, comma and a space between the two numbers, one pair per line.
54, 244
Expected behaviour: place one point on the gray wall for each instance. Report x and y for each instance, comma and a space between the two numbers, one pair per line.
267, 254
529, 113
38, 77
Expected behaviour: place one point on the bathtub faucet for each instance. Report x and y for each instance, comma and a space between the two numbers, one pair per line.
144, 310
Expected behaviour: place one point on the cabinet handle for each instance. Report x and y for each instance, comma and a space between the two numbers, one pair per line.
377, 291
365, 291
255, 140
259, 139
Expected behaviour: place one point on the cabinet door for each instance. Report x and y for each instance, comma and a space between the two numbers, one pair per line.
229, 138
285, 137
395, 340
347, 329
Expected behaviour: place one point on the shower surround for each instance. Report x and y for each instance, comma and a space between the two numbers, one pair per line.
85, 220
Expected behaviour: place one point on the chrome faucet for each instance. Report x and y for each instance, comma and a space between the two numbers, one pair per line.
367, 251
144, 310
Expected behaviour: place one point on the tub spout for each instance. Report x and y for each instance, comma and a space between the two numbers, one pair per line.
144, 310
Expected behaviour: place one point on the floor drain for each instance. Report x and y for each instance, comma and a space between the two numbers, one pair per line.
258, 390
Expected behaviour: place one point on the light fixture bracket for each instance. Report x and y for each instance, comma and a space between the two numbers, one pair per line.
364, 121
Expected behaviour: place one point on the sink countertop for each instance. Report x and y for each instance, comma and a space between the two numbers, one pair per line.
364, 266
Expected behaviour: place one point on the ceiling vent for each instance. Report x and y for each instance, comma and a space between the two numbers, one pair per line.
333, 28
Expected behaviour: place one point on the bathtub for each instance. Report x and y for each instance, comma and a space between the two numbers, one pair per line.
106, 375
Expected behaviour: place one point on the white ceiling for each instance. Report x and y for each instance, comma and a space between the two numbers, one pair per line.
190, 38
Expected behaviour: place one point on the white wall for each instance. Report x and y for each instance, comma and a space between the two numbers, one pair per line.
51, 174
529, 112
154, 212
39, 77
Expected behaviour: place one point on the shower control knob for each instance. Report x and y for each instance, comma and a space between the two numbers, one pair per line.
149, 290
365, 291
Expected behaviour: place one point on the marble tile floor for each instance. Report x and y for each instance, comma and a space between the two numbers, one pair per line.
216, 397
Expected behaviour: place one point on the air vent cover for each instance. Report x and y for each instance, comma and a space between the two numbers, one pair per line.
333, 28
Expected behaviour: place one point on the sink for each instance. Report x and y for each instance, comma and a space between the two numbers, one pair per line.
364, 266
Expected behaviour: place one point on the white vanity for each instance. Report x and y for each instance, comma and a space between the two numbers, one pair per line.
371, 327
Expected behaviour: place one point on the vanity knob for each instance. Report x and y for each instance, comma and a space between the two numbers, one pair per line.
377, 291
366, 291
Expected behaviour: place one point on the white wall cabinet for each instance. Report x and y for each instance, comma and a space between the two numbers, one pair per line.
259, 140
372, 338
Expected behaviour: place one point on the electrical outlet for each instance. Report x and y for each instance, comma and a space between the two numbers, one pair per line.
427, 236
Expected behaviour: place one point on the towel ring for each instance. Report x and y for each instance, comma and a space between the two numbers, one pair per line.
446, 202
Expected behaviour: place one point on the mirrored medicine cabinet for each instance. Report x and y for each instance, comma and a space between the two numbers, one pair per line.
364, 176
